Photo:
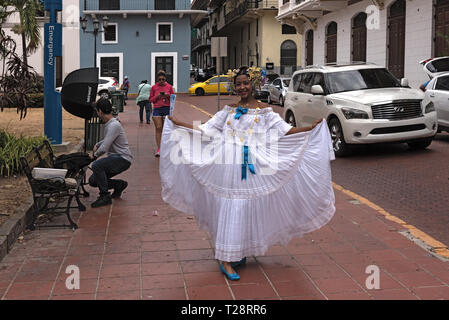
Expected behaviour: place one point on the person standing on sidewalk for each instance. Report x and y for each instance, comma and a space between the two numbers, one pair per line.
143, 100
160, 97
118, 160
248, 206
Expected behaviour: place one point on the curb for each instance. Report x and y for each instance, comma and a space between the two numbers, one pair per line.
20, 219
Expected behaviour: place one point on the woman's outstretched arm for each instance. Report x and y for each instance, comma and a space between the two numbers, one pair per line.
180, 123
303, 129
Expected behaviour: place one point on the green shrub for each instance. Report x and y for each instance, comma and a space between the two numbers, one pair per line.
12, 148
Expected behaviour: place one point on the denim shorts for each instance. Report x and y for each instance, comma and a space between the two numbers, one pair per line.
161, 111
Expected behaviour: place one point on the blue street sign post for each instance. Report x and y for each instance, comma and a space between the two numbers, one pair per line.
52, 49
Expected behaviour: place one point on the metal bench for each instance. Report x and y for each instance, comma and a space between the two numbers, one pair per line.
50, 195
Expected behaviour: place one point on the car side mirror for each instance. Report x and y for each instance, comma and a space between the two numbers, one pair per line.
317, 89
404, 82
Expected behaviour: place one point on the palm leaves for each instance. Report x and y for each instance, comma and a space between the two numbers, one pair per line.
28, 27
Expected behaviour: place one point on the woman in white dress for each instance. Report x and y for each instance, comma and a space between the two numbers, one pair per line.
248, 177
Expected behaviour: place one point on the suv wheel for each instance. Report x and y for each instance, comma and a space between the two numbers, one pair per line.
290, 119
104, 94
421, 144
199, 92
341, 149
281, 101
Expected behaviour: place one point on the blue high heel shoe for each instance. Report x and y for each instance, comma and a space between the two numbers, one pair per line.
230, 276
238, 263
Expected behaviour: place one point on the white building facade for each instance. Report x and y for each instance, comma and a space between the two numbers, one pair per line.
69, 17
396, 34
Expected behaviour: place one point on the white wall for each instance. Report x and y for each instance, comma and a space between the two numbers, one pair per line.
70, 39
418, 39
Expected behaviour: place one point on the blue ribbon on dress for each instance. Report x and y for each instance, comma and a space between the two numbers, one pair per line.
239, 111
247, 162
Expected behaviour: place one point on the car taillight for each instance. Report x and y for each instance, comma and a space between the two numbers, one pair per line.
114, 84
425, 61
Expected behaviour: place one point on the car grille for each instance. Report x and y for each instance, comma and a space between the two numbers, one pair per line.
413, 127
398, 110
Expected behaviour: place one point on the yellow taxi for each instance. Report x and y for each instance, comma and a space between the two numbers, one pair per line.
211, 86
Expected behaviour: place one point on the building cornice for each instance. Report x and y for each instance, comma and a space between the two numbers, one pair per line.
148, 13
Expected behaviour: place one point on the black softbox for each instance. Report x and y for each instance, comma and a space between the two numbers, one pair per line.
79, 92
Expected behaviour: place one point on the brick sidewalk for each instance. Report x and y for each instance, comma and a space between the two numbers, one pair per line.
123, 251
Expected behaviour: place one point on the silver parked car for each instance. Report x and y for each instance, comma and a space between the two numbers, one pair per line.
278, 90
437, 96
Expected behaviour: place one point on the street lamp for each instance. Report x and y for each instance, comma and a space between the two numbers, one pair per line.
95, 31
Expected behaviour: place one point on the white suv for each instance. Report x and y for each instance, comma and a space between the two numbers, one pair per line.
362, 103
106, 85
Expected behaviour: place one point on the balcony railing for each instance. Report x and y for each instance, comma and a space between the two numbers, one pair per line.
196, 43
247, 5
94, 5
202, 42
286, 6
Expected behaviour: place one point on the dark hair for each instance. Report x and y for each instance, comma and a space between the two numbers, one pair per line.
241, 71
144, 81
161, 73
104, 105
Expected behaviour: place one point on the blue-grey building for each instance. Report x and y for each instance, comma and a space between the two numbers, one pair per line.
142, 37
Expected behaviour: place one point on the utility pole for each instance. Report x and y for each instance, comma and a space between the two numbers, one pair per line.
219, 50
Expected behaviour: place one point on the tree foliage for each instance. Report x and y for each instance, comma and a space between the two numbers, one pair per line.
28, 28
18, 80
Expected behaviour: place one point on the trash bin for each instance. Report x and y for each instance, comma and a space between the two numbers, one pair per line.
93, 131
118, 100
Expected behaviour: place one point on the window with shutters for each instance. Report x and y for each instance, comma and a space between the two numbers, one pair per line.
288, 57
309, 48
164, 31
441, 29
359, 37
331, 42
110, 67
396, 38
286, 29
109, 5
164, 4
110, 34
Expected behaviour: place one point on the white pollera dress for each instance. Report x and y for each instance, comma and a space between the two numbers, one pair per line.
205, 174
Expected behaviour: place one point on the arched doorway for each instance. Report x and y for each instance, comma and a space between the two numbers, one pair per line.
441, 46
396, 38
359, 37
288, 57
331, 42
309, 48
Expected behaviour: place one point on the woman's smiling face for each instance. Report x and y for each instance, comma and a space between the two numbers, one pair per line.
243, 86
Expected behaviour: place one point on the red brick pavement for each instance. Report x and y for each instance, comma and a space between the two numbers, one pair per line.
123, 251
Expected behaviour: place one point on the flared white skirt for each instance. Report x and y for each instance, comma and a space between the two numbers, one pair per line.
289, 195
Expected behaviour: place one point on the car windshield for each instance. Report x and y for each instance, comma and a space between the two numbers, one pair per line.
286, 82
439, 65
361, 80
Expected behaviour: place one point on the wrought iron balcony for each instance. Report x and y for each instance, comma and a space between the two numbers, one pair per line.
198, 43
98, 5
247, 5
